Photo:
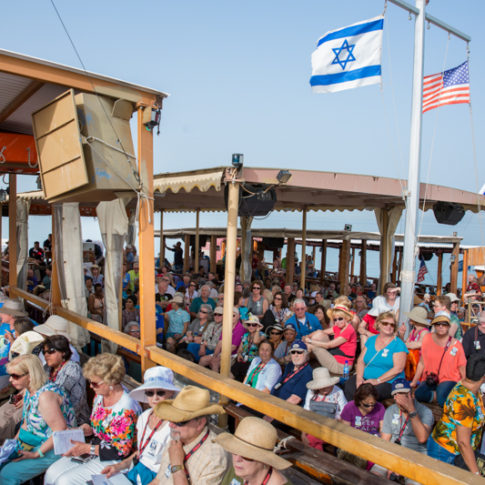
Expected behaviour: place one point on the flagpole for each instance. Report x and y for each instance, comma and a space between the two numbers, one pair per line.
412, 195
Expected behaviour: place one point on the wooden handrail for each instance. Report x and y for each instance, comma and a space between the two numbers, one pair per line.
399, 459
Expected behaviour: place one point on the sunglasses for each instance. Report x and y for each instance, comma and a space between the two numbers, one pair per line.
95, 385
368, 405
182, 423
386, 324
338, 319
256, 287
17, 376
50, 351
153, 393
441, 324
293, 352
275, 333
253, 325
218, 314
202, 311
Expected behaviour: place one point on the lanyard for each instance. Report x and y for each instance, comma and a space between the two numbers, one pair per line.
403, 427
266, 478
193, 450
143, 445
255, 373
287, 378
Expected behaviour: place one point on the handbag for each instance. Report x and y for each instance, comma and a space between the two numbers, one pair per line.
327, 409
432, 379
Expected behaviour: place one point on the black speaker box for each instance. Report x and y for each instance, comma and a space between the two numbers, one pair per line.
448, 213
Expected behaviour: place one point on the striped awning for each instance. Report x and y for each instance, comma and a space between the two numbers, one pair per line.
203, 180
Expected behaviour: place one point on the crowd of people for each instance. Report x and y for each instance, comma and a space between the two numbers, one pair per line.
342, 356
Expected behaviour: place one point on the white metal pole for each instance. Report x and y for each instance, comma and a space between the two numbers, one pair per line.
412, 199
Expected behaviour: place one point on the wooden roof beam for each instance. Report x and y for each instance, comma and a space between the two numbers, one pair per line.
20, 99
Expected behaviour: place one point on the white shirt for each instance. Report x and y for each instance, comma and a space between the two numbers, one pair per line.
336, 396
268, 376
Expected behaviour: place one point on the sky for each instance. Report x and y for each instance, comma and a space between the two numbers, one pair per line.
238, 78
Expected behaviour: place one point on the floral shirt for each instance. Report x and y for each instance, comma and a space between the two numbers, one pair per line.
462, 408
248, 348
115, 427
33, 420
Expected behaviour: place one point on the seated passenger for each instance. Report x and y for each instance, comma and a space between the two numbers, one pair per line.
282, 352
407, 423
113, 422
191, 455
442, 363
382, 361
333, 354
153, 432
253, 459
264, 371
323, 397
456, 437
46, 409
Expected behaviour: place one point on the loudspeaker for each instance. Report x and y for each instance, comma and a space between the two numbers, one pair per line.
254, 200
448, 213
271, 243
85, 147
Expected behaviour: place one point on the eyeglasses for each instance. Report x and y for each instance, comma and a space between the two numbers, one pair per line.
338, 319
182, 423
253, 325
50, 351
386, 324
95, 385
202, 311
278, 298
17, 376
153, 393
218, 314
256, 287
275, 333
369, 405
441, 324
293, 352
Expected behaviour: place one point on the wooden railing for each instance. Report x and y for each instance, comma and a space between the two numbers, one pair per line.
399, 459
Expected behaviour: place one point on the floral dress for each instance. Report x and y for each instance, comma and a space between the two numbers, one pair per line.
115, 427
32, 419
249, 348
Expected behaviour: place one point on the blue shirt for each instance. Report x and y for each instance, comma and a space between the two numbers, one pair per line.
4, 348
377, 365
177, 319
295, 385
310, 325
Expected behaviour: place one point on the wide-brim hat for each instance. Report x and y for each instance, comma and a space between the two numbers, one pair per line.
177, 298
452, 297
339, 308
255, 439
154, 378
13, 307
218, 310
440, 319
275, 326
419, 315
25, 343
54, 325
321, 378
251, 319
191, 402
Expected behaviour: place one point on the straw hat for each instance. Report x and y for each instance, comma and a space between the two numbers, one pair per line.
419, 315
54, 325
25, 343
321, 379
13, 307
178, 298
255, 439
440, 319
191, 402
251, 319
154, 378
339, 308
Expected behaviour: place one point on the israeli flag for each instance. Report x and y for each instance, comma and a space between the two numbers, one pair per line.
348, 58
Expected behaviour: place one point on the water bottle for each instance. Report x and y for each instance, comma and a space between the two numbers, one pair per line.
346, 371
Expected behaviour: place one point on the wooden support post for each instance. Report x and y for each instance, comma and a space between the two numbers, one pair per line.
290, 261
186, 253
162, 241
229, 277
455, 261
344, 265
400, 264
323, 262
363, 263
197, 245
55, 289
439, 279
394, 265
352, 263
146, 243
12, 230
303, 251
464, 281
314, 253
213, 254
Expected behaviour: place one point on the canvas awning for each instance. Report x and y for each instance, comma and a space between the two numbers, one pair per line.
202, 180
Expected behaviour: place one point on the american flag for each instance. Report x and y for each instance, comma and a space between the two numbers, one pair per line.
422, 271
449, 87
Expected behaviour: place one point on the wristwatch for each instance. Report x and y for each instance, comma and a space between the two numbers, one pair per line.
92, 450
413, 414
175, 468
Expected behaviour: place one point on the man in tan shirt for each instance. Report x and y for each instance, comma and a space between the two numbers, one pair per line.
191, 457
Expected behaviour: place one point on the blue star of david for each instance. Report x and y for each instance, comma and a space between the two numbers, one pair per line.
350, 56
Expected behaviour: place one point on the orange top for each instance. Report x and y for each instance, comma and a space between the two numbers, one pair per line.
453, 359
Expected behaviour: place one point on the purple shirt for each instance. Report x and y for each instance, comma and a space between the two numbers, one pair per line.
237, 332
370, 423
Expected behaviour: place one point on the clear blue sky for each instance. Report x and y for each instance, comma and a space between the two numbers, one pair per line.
238, 72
